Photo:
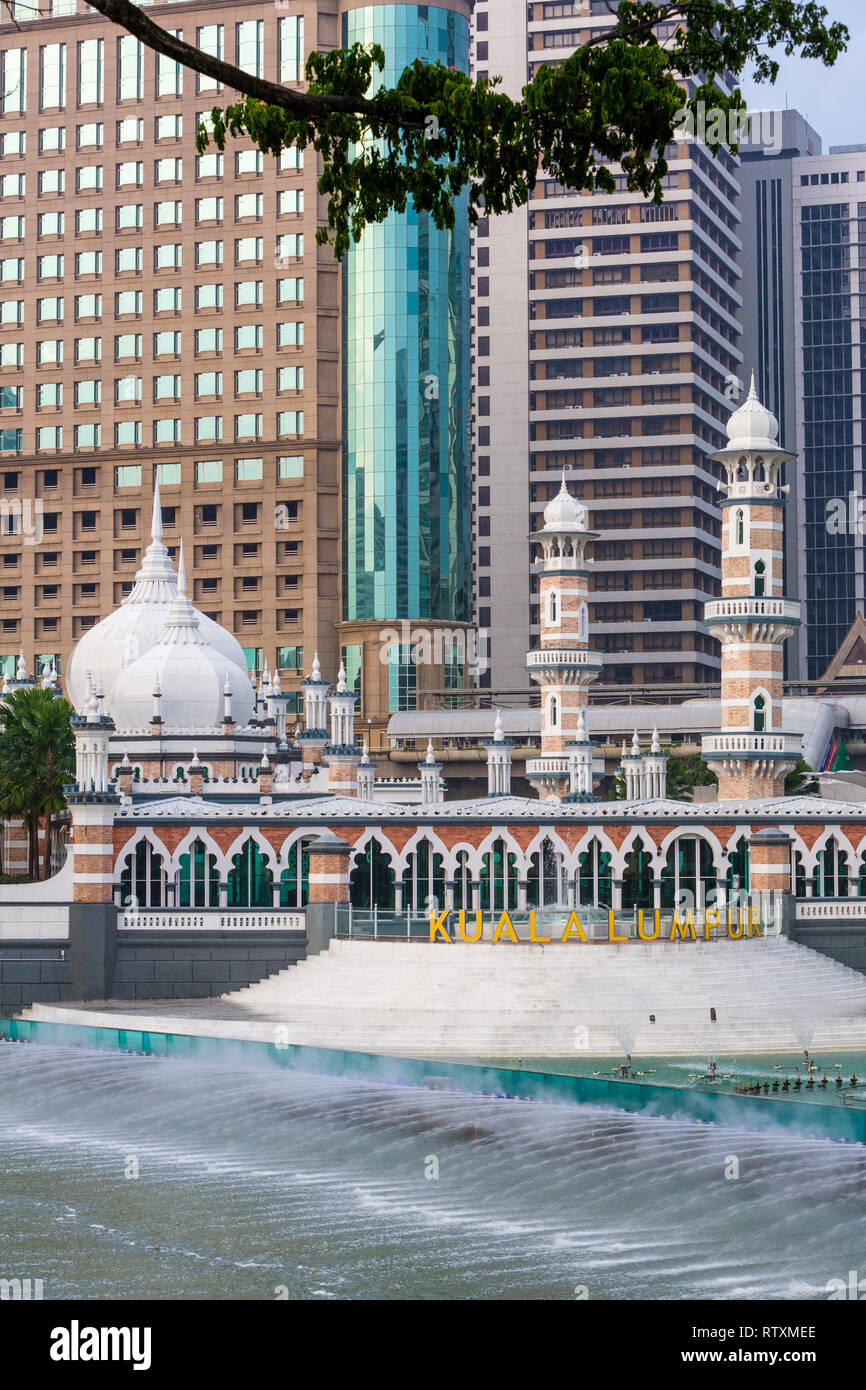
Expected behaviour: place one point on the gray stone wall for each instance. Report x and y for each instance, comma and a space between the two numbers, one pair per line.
196, 965
32, 972
149, 965
844, 941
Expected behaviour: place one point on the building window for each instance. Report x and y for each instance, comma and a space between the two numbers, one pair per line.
130, 69
91, 77
169, 74
246, 470
402, 678
210, 39
290, 39
249, 40
52, 77
13, 81
127, 475
208, 470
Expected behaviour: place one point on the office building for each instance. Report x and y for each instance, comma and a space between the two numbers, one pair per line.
805, 242
606, 331
167, 313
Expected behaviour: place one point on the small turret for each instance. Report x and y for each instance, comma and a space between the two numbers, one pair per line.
498, 760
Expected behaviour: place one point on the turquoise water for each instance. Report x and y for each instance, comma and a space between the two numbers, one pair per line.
257, 1179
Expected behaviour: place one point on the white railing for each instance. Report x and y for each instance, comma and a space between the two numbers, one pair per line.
781, 609
789, 745
547, 767
210, 919
564, 656
816, 909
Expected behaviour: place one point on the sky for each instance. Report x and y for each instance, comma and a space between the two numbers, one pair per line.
830, 98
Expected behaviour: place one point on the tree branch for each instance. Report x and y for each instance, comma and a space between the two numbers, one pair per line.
302, 106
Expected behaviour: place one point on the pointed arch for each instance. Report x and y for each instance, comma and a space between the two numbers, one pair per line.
250, 881
372, 876
198, 875
143, 880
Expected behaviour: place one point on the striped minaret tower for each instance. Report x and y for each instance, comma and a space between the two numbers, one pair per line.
563, 665
752, 755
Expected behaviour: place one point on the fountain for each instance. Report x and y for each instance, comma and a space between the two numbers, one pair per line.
625, 1036
804, 1030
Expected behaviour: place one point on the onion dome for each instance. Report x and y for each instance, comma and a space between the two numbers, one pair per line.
138, 623
189, 671
753, 426
563, 512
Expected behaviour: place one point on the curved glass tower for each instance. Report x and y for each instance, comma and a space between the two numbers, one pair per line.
406, 375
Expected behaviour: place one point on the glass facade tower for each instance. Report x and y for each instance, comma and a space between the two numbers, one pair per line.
406, 378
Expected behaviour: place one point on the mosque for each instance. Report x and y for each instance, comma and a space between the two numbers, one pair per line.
193, 795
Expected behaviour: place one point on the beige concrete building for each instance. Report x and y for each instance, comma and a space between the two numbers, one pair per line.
163, 311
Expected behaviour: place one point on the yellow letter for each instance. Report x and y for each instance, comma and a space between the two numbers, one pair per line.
461, 926
754, 926
649, 936
532, 936
505, 928
436, 926
573, 921
711, 919
736, 930
683, 929
611, 928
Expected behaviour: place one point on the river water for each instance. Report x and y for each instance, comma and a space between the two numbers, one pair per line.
264, 1183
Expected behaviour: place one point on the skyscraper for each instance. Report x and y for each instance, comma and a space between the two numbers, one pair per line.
164, 312
805, 234
407, 550
606, 331
775, 141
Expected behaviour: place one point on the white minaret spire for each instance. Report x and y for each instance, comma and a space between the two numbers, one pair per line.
563, 664
498, 760
751, 755
431, 785
156, 518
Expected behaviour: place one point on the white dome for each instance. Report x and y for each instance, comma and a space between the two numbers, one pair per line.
564, 512
190, 673
753, 426
137, 625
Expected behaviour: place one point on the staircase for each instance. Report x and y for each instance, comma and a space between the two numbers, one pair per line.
503, 1000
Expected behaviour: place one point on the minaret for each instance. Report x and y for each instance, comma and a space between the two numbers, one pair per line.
580, 770
752, 755
366, 775
563, 665
278, 701
21, 680
632, 767
655, 771
431, 784
340, 753
315, 735
499, 760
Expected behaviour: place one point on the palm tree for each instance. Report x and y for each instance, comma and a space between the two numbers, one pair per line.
800, 782
37, 758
